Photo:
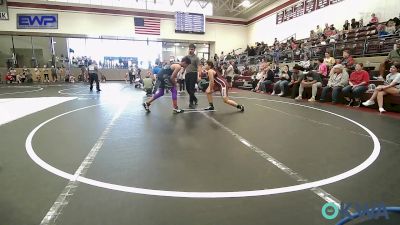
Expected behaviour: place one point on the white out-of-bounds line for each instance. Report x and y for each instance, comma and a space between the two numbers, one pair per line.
63, 199
294, 175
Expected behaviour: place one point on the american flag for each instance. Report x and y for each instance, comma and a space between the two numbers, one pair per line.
147, 26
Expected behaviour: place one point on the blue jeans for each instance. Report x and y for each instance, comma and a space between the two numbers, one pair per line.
263, 85
354, 92
281, 86
335, 93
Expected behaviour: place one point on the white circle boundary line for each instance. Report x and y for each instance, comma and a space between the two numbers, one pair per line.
235, 194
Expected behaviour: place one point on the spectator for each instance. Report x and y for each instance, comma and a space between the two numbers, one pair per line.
9, 78
318, 31
358, 84
338, 80
277, 53
216, 58
374, 20
297, 78
305, 63
393, 57
322, 68
13, 73
391, 86
329, 60
53, 73
148, 84
346, 25
327, 30
37, 74
312, 80
221, 57
322, 39
229, 73
313, 35
354, 24
256, 79
276, 42
284, 79
390, 27
347, 60
267, 79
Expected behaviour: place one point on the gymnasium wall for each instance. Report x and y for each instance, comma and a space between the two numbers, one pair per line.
266, 29
120, 25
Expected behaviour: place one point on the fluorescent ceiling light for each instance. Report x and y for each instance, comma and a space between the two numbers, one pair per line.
245, 3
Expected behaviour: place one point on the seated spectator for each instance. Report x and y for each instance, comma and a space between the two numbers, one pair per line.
392, 58
329, 60
318, 31
305, 63
282, 83
347, 60
257, 78
346, 25
374, 20
267, 79
311, 80
337, 80
9, 78
358, 84
391, 86
297, 77
360, 23
322, 40
390, 27
327, 30
322, 68
313, 35
354, 24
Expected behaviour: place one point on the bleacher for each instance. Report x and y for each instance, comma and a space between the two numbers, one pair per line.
363, 43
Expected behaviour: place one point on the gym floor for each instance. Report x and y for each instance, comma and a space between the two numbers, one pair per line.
69, 156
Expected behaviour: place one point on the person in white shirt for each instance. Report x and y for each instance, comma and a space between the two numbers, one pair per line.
229, 73
259, 76
391, 87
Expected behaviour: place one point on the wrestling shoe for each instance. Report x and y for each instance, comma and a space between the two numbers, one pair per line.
241, 108
178, 110
209, 108
146, 106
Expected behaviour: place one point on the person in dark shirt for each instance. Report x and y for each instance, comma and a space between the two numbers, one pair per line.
267, 79
313, 80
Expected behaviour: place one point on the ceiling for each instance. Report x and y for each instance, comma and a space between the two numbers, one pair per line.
233, 8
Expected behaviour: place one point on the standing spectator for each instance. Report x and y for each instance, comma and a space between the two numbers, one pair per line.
329, 60
312, 80
354, 24
216, 58
347, 60
131, 74
337, 80
193, 72
221, 57
38, 77
297, 78
284, 79
346, 25
46, 73
358, 84
392, 58
391, 86
374, 20
94, 75
181, 80
54, 74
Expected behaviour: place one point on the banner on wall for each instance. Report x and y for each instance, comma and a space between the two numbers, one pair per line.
37, 21
3, 10
301, 8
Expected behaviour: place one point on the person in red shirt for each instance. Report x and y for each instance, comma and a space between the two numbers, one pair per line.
374, 20
358, 84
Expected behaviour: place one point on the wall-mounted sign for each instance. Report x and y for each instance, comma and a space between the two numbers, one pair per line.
37, 21
3, 10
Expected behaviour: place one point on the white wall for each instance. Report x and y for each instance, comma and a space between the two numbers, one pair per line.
266, 29
225, 36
